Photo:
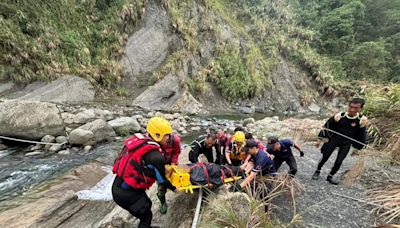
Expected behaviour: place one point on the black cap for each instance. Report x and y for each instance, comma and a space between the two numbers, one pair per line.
249, 144
272, 140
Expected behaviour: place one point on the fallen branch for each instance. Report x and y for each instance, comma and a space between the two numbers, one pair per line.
358, 200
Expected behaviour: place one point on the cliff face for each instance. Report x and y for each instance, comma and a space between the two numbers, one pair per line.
199, 56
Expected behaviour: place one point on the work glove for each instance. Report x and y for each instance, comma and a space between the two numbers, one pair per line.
235, 187
301, 154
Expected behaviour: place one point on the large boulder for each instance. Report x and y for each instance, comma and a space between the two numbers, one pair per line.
101, 129
30, 119
168, 95
70, 89
81, 137
128, 123
86, 116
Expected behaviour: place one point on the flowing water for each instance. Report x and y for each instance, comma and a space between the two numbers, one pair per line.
19, 174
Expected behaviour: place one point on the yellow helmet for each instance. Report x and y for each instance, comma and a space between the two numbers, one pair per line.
158, 127
239, 137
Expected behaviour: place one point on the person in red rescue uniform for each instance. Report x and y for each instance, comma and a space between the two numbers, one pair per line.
139, 165
170, 150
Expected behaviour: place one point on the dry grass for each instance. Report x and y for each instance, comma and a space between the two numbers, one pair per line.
355, 171
388, 196
241, 210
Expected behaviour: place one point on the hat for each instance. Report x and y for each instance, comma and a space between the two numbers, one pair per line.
249, 144
272, 140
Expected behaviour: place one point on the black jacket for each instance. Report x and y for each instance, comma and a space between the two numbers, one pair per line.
354, 128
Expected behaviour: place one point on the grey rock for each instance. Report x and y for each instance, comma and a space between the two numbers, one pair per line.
48, 139
275, 118
176, 115
248, 121
87, 148
168, 116
70, 89
128, 123
138, 117
75, 149
101, 129
30, 119
61, 139
82, 137
168, 95
64, 152
196, 128
314, 107
3, 147
54, 148
4, 87
36, 147
246, 110
34, 153
147, 48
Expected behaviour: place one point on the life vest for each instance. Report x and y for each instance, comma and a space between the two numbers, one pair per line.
237, 152
130, 166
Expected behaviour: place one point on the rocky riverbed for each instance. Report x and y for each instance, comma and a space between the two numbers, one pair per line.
47, 177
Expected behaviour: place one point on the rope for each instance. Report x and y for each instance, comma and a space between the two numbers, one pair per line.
347, 137
33, 142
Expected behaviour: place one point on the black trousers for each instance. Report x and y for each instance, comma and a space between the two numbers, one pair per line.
291, 161
327, 150
135, 201
194, 156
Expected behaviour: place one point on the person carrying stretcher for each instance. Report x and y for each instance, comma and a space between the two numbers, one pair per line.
234, 154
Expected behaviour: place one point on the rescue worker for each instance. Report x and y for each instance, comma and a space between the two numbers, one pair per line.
234, 153
263, 164
138, 166
204, 144
248, 163
222, 139
261, 146
351, 124
170, 150
282, 151
230, 136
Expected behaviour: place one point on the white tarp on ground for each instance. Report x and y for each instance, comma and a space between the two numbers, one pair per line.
101, 191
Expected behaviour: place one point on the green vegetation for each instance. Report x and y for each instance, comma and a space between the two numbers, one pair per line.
333, 41
41, 39
363, 35
383, 105
234, 77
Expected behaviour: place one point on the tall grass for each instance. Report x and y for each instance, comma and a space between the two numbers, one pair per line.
252, 208
383, 106
388, 196
42, 39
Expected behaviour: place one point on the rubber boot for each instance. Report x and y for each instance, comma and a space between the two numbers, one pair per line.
331, 180
163, 202
316, 175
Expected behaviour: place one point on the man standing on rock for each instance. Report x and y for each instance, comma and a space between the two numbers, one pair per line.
282, 151
342, 130
170, 150
139, 165
204, 144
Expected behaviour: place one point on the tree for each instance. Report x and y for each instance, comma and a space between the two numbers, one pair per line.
368, 60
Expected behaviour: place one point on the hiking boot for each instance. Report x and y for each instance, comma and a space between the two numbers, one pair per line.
316, 175
331, 180
163, 208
